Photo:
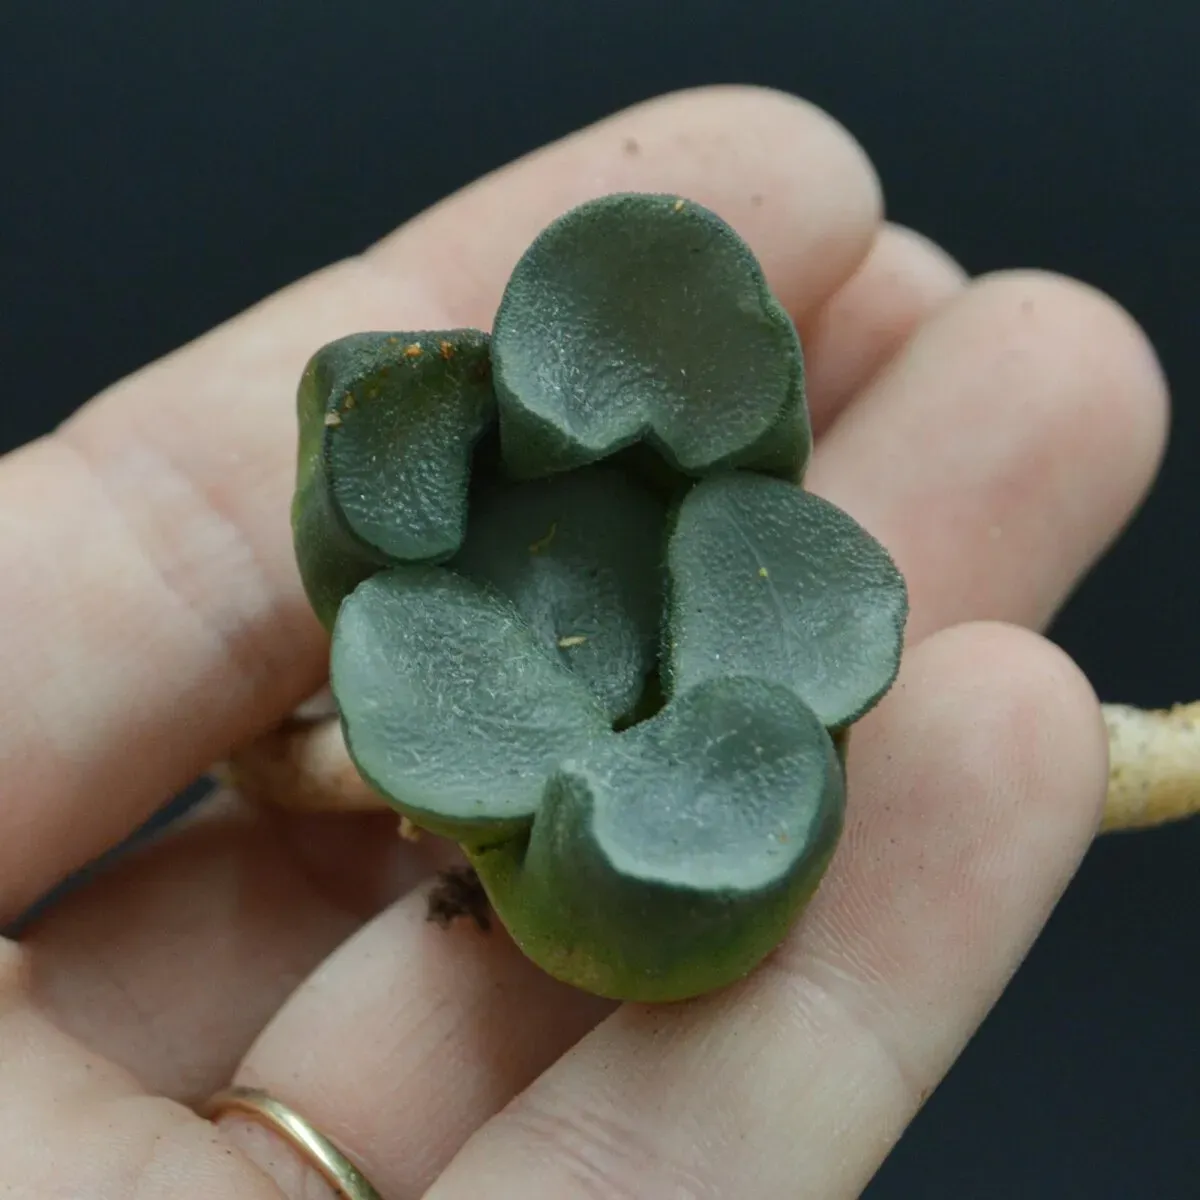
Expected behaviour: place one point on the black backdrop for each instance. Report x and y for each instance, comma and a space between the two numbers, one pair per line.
164, 165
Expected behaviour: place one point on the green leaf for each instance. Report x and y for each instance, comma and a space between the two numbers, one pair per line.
451, 707
641, 316
581, 556
769, 580
388, 422
671, 859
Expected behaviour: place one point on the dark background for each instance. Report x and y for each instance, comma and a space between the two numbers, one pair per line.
164, 165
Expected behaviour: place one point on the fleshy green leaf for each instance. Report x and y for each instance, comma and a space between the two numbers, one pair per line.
581, 556
450, 706
769, 580
388, 422
646, 316
669, 860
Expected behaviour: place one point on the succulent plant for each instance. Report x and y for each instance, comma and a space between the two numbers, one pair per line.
585, 619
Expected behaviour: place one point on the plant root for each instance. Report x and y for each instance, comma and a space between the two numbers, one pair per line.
1154, 766
302, 766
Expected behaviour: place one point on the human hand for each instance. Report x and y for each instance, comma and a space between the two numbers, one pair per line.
993, 434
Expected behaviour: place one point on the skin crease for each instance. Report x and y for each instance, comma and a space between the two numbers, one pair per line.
994, 435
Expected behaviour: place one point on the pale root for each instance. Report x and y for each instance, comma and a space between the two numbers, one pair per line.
1153, 765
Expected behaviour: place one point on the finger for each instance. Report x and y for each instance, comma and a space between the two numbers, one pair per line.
903, 281
72, 1124
151, 598
975, 794
110, 953
1086, 363
172, 964
1003, 449
426, 1032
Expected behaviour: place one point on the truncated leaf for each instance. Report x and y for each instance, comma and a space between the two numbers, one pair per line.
450, 706
388, 422
646, 316
766, 579
670, 859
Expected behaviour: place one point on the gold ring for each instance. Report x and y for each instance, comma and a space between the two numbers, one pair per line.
312, 1145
